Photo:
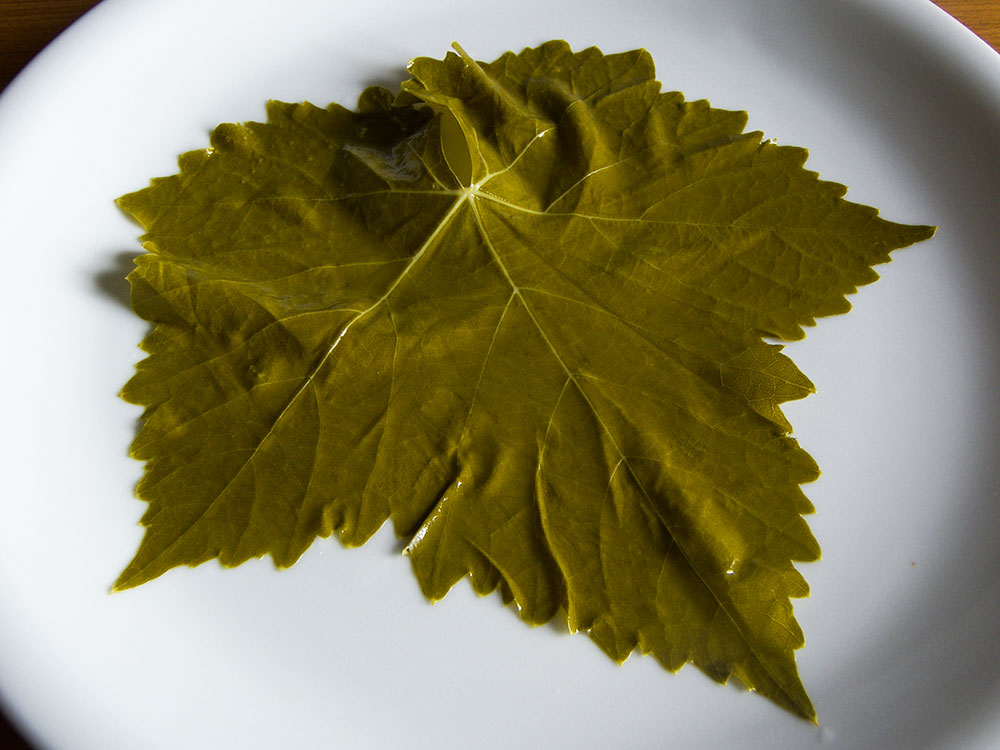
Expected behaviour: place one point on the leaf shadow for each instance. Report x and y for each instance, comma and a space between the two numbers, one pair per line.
111, 281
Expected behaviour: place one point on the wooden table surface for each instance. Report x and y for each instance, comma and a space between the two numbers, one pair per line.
26, 26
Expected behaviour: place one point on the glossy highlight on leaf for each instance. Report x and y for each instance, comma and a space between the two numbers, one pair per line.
519, 308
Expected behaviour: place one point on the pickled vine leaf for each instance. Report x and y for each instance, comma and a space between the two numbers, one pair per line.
521, 310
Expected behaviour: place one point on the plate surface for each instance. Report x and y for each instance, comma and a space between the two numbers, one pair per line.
892, 97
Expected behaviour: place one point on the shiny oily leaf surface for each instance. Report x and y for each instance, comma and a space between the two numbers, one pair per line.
519, 309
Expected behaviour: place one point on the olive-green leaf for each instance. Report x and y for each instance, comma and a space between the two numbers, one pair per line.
519, 308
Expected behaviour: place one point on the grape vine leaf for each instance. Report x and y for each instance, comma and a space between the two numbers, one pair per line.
519, 308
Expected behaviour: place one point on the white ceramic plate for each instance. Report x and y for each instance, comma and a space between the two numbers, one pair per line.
892, 97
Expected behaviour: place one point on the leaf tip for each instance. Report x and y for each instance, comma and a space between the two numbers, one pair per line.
125, 581
127, 205
803, 707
